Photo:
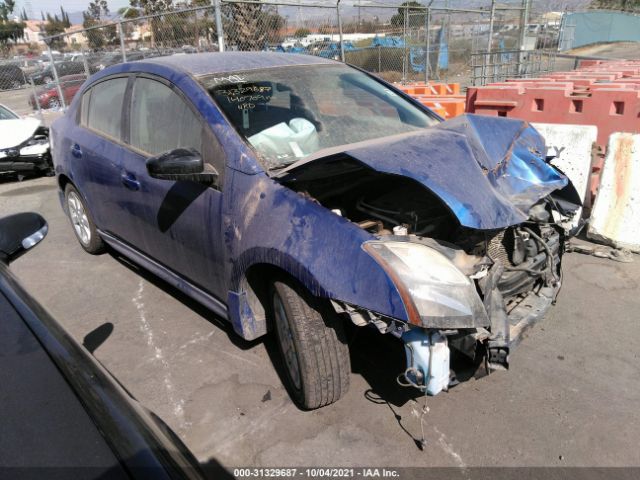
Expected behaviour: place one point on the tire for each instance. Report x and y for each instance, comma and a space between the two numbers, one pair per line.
312, 346
53, 102
82, 222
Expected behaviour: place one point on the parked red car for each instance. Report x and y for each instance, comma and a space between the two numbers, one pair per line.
48, 95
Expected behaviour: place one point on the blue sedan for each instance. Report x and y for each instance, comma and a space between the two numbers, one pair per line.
295, 194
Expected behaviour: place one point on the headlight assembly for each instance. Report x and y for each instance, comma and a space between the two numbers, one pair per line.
436, 294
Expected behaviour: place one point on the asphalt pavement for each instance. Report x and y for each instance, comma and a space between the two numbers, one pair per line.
570, 398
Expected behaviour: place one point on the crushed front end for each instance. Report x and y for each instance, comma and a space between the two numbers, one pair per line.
30, 156
468, 220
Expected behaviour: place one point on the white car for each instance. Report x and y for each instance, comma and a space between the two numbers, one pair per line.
24, 145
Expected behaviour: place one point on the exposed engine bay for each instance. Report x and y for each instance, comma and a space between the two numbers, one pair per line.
516, 270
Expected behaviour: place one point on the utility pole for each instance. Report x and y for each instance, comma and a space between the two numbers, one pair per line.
524, 19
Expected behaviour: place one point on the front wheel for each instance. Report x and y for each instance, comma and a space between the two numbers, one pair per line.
311, 342
82, 222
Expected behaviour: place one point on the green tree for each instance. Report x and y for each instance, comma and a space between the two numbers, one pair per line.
251, 26
54, 27
93, 17
64, 17
415, 12
624, 5
150, 7
301, 32
10, 31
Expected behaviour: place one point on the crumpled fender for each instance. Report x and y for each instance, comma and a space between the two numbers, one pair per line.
268, 223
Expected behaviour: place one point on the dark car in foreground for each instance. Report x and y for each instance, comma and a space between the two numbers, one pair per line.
63, 415
293, 193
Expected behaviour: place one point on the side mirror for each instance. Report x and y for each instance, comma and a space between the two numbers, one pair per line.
181, 164
19, 233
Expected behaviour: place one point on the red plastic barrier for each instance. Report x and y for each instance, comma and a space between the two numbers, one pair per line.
613, 109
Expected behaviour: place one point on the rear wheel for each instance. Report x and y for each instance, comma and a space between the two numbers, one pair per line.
82, 222
53, 102
311, 342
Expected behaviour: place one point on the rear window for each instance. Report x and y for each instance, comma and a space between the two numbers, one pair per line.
104, 109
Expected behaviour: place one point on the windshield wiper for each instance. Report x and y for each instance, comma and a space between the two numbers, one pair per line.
280, 166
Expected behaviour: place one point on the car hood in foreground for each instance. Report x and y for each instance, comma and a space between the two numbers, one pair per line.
488, 171
15, 132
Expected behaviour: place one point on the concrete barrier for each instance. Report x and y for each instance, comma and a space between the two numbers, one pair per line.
572, 146
615, 218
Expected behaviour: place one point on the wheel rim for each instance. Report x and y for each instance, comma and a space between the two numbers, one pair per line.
286, 342
79, 218
15, 84
47, 79
54, 103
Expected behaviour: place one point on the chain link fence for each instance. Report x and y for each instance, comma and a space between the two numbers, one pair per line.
400, 43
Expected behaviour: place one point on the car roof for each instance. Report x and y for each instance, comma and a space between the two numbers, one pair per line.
199, 64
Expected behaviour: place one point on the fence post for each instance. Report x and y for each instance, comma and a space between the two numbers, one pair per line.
85, 63
404, 38
524, 18
561, 31
37, 100
427, 60
55, 75
218, 13
493, 15
121, 34
340, 31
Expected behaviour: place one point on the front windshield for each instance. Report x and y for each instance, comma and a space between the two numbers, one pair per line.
289, 113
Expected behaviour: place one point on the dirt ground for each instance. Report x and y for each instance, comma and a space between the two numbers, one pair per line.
570, 398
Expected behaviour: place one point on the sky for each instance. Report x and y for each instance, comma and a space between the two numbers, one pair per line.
53, 6
74, 6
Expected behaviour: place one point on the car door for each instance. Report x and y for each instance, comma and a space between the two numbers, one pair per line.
181, 220
96, 155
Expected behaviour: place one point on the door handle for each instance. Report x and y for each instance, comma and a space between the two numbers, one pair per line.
129, 181
76, 151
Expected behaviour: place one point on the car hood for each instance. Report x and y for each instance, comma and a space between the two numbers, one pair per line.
489, 171
16, 132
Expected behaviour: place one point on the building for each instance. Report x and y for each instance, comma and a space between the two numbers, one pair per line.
34, 32
75, 36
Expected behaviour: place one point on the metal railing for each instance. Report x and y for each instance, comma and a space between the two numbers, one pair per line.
501, 65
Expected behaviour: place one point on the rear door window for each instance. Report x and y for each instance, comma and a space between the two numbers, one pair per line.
104, 112
161, 120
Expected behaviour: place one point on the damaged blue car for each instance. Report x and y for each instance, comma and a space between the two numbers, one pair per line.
291, 194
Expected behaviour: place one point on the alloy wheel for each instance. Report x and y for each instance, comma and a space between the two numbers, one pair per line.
79, 218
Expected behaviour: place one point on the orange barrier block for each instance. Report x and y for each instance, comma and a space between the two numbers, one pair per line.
444, 106
430, 88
